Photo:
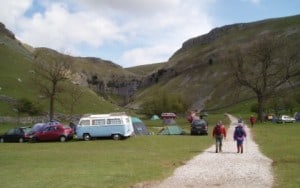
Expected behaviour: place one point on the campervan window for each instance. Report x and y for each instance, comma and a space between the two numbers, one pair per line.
115, 121
85, 122
98, 122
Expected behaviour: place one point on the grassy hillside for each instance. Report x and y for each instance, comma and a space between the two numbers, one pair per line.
15, 66
202, 73
197, 72
16, 83
145, 69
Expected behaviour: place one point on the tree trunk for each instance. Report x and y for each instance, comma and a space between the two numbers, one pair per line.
52, 98
260, 110
51, 107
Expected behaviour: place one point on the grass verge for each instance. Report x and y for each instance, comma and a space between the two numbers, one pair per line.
281, 142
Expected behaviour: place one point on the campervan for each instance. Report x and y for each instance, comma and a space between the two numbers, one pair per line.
114, 125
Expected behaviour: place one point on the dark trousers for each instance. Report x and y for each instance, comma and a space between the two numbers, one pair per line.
219, 141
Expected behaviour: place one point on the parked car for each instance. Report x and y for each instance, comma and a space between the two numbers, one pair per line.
199, 127
57, 132
20, 134
285, 119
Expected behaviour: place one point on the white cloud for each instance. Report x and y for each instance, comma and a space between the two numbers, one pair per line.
168, 30
146, 55
130, 7
128, 32
12, 10
147, 31
59, 28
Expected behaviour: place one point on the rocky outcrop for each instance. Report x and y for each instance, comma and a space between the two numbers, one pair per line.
6, 31
211, 36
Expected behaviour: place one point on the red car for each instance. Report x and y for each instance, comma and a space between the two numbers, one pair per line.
57, 132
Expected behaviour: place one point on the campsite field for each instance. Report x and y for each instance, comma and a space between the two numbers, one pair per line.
104, 163
109, 163
281, 143
99, 163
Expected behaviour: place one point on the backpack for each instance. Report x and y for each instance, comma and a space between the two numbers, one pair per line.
218, 130
239, 131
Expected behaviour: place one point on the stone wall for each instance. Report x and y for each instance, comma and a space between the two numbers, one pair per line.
23, 120
38, 119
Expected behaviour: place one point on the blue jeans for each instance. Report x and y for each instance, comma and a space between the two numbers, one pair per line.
219, 140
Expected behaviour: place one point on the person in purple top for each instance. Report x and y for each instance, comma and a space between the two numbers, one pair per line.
239, 135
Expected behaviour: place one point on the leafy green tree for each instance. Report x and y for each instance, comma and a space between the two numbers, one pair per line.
25, 106
163, 102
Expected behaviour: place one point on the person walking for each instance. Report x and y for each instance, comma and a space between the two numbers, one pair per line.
252, 120
239, 135
219, 132
192, 116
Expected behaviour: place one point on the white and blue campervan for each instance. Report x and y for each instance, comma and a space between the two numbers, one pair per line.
114, 125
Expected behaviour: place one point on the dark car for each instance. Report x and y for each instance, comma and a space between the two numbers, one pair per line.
199, 127
20, 134
56, 132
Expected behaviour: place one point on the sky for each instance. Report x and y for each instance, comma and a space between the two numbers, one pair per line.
129, 32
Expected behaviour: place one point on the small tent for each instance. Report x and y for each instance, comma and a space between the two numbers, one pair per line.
154, 117
171, 130
139, 126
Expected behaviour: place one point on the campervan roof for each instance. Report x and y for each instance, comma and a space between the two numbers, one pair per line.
106, 115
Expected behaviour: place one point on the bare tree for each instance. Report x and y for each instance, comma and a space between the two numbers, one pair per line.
71, 97
264, 67
51, 69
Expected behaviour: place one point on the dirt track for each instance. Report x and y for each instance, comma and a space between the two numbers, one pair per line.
226, 169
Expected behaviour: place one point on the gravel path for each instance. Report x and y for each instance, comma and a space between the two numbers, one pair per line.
226, 169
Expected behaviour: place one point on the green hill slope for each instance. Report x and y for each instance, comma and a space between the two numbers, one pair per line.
200, 73
197, 72
16, 81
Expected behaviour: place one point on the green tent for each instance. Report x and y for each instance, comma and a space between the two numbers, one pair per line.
171, 130
154, 117
139, 126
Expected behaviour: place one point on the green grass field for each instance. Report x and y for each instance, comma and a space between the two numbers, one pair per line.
281, 143
99, 163
109, 163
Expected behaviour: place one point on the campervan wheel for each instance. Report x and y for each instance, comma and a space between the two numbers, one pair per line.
86, 137
116, 136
